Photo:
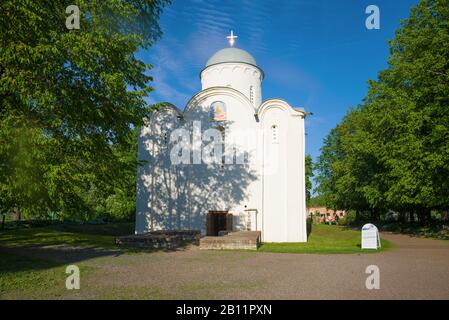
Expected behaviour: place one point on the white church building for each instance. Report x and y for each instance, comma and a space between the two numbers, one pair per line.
230, 161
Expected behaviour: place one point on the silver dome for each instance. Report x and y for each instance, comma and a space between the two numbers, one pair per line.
231, 55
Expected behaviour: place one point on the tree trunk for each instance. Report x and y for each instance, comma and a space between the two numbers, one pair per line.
424, 216
412, 216
400, 217
427, 216
376, 213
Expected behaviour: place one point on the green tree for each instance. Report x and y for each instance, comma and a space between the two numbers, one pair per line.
309, 176
69, 99
392, 152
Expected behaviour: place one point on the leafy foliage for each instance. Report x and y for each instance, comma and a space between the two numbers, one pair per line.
392, 152
309, 175
69, 103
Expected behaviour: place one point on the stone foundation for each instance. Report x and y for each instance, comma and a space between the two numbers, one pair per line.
161, 239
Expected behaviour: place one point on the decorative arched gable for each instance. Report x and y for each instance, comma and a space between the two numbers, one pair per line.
166, 107
157, 127
280, 104
196, 100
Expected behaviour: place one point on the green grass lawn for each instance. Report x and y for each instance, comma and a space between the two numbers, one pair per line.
325, 239
101, 236
26, 274
29, 277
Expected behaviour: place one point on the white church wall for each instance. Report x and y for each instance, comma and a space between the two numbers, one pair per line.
156, 179
268, 189
284, 217
238, 185
297, 228
243, 77
275, 175
179, 196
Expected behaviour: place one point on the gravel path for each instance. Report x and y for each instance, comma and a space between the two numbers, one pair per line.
415, 269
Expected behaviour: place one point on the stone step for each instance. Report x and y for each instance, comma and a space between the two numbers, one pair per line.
243, 240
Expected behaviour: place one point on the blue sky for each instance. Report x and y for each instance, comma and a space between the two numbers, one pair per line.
316, 54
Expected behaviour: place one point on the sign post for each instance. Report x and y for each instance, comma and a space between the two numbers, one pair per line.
370, 237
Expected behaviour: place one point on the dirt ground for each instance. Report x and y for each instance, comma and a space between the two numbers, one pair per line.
414, 269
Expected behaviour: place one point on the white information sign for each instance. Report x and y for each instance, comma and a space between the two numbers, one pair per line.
370, 237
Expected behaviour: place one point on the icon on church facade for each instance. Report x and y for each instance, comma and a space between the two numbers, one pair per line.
218, 111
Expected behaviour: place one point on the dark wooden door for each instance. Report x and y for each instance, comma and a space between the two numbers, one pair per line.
218, 221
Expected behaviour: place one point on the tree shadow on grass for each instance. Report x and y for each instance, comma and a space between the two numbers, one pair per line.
48, 247
33, 258
108, 229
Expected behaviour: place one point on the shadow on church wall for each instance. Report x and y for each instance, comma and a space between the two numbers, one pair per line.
178, 197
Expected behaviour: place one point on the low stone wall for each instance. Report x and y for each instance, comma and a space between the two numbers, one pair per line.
161, 239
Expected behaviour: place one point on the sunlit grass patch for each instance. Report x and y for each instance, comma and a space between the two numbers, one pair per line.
325, 239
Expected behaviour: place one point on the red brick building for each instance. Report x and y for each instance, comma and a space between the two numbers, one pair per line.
323, 214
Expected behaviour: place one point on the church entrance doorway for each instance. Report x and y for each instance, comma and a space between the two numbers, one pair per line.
218, 221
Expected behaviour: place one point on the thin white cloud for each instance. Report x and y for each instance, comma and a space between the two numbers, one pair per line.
178, 61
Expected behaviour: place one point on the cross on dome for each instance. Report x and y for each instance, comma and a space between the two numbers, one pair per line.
231, 38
